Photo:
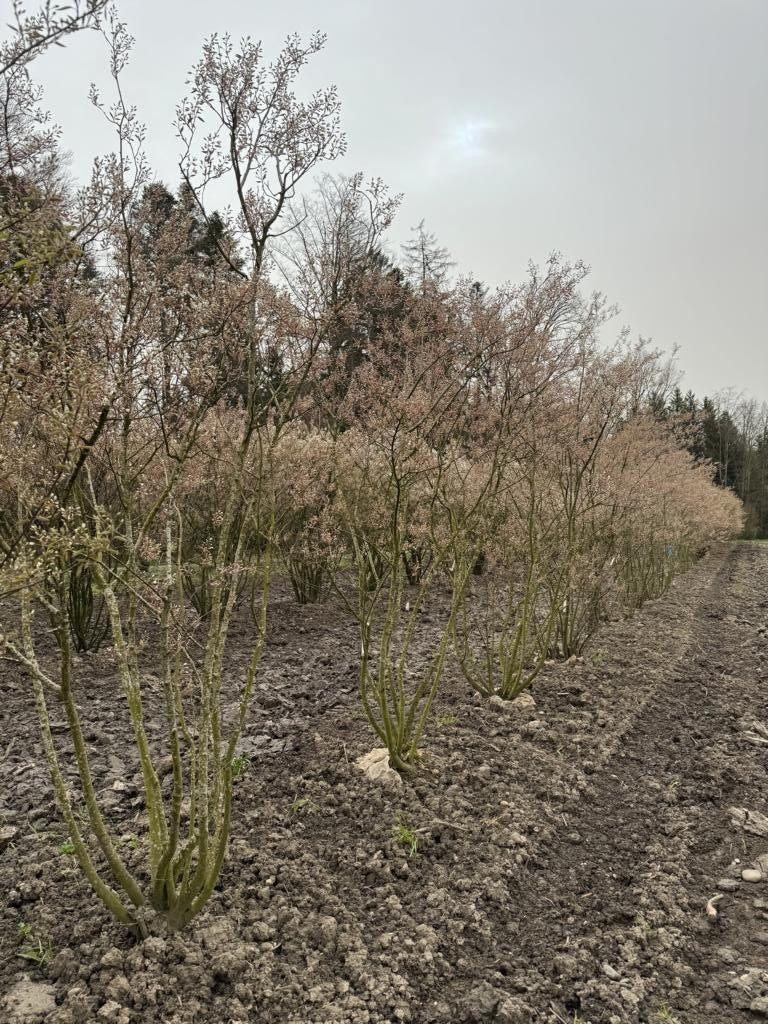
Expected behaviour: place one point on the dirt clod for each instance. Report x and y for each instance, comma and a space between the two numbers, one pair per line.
28, 999
751, 821
7, 835
523, 703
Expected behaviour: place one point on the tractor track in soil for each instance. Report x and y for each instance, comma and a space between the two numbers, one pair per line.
653, 839
566, 856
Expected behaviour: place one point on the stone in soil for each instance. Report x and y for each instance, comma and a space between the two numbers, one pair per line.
376, 766
752, 875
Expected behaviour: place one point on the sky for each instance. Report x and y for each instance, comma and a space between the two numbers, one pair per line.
630, 134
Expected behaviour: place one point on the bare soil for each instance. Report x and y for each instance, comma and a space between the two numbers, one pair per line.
565, 857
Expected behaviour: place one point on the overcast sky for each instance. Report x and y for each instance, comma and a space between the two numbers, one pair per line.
632, 134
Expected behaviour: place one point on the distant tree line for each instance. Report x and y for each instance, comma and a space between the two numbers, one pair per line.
731, 432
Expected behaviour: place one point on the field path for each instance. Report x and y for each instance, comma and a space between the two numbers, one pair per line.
611, 916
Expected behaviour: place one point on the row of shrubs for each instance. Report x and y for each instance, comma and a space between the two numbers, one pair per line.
191, 402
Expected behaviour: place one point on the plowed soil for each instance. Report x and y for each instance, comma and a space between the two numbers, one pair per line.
566, 854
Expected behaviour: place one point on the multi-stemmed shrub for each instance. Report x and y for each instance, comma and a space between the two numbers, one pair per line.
396, 698
304, 487
149, 404
506, 621
413, 436
87, 612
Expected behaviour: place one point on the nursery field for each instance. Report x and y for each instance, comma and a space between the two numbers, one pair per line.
542, 864
375, 645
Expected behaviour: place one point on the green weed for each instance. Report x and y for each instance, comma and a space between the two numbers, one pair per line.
240, 765
643, 927
445, 721
664, 1013
597, 657
303, 803
38, 948
406, 836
